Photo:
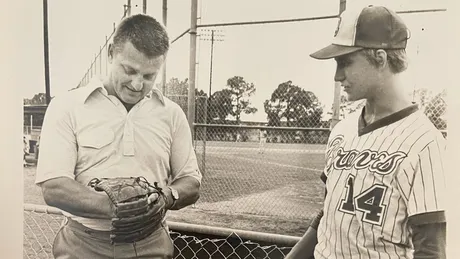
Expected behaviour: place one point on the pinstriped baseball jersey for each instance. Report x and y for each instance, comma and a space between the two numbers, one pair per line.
379, 179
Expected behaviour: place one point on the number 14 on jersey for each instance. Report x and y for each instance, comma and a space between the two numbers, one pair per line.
369, 202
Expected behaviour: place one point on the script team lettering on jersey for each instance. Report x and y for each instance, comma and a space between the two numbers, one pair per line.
377, 162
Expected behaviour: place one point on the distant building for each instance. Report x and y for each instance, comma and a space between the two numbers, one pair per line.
33, 121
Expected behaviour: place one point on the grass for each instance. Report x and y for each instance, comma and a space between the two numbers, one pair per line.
277, 191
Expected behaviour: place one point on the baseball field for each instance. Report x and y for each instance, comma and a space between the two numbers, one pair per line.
274, 189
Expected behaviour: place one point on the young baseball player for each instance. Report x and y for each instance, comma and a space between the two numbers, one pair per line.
119, 126
384, 174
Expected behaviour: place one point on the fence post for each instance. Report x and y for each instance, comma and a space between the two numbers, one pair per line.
46, 51
205, 133
336, 103
192, 64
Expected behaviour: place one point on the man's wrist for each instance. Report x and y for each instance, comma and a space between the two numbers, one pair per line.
171, 199
168, 198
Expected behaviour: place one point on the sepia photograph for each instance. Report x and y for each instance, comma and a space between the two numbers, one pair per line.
235, 129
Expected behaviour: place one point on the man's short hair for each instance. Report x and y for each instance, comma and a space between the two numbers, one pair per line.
145, 33
397, 59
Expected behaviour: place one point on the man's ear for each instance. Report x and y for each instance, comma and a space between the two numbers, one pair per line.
381, 57
110, 52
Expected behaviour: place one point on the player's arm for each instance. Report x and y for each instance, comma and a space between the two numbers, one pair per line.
429, 240
71, 196
305, 248
56, 166
423, 183
184, 166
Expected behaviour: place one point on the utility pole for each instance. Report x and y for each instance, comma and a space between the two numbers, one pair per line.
336, 103
144, 6
129, 8
192, 64
46, 50
210, 67
165, 19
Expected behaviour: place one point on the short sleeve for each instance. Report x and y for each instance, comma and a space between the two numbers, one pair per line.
183, 159
58, 152
423, 182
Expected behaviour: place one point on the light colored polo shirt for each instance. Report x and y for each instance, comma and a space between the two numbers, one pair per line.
89, 134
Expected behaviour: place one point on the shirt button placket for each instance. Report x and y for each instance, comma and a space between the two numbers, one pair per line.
128, 138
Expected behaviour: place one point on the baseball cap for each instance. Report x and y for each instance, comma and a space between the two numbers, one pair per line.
367, 27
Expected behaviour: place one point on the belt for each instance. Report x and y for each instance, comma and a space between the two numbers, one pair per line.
99, 234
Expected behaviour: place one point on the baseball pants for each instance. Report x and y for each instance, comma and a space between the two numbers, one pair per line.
75, 241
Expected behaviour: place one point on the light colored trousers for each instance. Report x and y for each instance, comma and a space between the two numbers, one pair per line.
75, 241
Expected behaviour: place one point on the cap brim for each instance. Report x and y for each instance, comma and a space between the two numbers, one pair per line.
333, 51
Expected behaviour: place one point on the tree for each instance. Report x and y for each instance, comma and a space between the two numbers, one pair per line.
176, 87
201, 104
38, 99
220, 105
241, 91
177, 91
300, 108
347, 107
232, 100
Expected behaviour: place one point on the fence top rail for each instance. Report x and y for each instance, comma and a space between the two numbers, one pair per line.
204, 125
279, 240
269, 21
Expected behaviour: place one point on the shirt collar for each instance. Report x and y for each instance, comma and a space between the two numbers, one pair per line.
96, 84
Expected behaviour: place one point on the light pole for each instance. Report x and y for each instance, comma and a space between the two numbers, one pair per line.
46, 50
204, 36
336, 103
215, 35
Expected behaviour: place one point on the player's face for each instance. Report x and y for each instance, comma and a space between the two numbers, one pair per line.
357, 76
132, 74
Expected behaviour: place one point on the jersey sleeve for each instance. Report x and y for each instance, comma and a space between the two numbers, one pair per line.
423, 185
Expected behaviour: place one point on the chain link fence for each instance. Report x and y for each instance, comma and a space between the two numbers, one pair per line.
269, 165
41, 224
261, 169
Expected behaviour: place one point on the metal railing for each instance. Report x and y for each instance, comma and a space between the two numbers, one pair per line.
41, 223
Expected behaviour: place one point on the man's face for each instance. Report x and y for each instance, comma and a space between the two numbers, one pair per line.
132, 74
358, 77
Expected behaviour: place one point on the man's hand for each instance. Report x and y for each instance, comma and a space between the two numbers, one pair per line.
167, 199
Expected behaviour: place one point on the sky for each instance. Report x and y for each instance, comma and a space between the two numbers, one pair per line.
265, 55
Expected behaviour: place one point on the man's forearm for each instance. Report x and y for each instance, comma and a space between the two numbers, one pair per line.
189, 192
429, 241
71, 196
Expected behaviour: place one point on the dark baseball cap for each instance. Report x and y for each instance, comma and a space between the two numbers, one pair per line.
375, 27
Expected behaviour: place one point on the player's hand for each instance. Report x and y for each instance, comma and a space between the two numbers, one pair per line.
108, 206
166, 200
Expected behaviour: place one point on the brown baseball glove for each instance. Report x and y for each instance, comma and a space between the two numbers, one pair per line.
135, 216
